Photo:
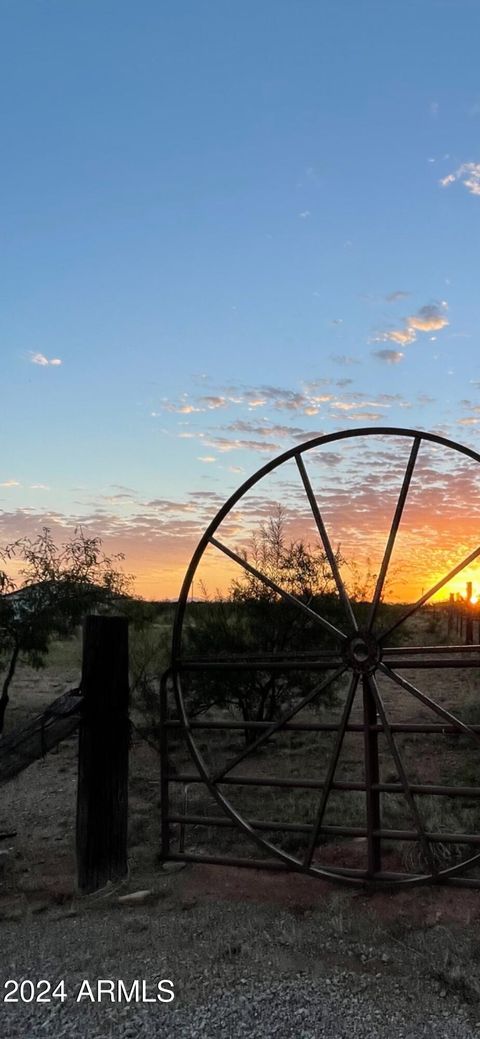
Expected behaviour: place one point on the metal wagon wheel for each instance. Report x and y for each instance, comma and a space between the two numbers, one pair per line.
362, 655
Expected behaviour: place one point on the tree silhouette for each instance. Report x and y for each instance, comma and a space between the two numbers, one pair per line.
59, 584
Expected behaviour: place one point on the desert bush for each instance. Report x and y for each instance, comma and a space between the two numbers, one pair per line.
60, 584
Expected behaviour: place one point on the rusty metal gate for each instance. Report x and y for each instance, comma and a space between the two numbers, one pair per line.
401, 755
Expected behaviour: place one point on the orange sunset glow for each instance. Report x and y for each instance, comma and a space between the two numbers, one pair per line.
356, 488
357, 495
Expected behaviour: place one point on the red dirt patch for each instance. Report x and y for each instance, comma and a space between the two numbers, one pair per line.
422, 906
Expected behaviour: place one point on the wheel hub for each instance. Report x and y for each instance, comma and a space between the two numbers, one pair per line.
362, 653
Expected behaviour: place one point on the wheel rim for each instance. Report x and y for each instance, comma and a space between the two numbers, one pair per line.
362, 655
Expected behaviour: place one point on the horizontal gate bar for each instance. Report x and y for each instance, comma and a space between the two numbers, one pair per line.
412, 727
406, 657
272, 864
316, 784
257, 824
337, 831
400, 662
356, 874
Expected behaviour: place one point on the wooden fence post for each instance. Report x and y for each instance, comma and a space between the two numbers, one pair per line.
102, 793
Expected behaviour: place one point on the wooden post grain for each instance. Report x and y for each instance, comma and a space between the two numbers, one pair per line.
102, 794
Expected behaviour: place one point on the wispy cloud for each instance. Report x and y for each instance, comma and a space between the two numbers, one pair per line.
472, 419
392, 297
10, 483
212, 403
352, 405
468, 174
204, 403
166, 505
121, 498
179, 409
389, 356
366, 416
343, 359
267, 430
38, 358
223, 444
429, 318
262, 433
402, 336
276, 397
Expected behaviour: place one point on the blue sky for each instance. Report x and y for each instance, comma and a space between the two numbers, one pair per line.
223, 213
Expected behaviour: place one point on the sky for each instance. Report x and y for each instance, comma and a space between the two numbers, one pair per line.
228, 227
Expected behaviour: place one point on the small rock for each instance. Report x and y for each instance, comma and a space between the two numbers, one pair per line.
135, 898
173, 867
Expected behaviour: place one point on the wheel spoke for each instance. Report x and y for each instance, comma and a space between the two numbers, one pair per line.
428, 702
331, 770
280, 591
393, 532
422, 837
278, 725
428, 595
326, 542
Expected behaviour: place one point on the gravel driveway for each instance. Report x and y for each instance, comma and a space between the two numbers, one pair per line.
238, 970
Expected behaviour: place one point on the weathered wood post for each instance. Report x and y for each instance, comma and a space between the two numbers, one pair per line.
102, 793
